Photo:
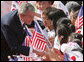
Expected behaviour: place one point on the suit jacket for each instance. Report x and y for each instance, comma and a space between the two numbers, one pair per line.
13, 33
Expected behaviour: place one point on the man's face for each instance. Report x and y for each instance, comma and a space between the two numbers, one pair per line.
28, 17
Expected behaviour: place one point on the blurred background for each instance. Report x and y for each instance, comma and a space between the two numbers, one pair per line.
6, 6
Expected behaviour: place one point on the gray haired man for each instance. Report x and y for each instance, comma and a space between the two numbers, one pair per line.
13, 34
26, 12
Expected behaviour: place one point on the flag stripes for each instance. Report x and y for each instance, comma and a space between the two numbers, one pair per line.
78, 31
27, 41
79, 21
38, 41
26, 58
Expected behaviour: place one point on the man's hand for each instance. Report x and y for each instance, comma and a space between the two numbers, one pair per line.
39, 53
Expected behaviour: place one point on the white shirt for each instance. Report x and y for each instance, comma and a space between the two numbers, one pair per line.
56, 43
68, 47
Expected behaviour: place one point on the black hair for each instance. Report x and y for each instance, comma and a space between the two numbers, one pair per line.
78, 42
55, 15
66, 21
48, 10
75, 36
63, 30
75, 8
72, 27
72, 5
64, 2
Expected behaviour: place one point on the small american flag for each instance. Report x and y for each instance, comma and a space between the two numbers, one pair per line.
38, 41
29, 35
79, 21
27, 41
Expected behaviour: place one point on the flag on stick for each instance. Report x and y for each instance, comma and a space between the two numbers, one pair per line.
38, 42
79, 21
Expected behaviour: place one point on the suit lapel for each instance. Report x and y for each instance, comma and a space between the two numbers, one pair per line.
21, 33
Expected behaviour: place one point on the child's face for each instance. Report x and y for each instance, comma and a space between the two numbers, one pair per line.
72, 18
47, 22
41, 5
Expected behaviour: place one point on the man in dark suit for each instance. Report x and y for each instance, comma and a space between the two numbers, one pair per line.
12, 32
